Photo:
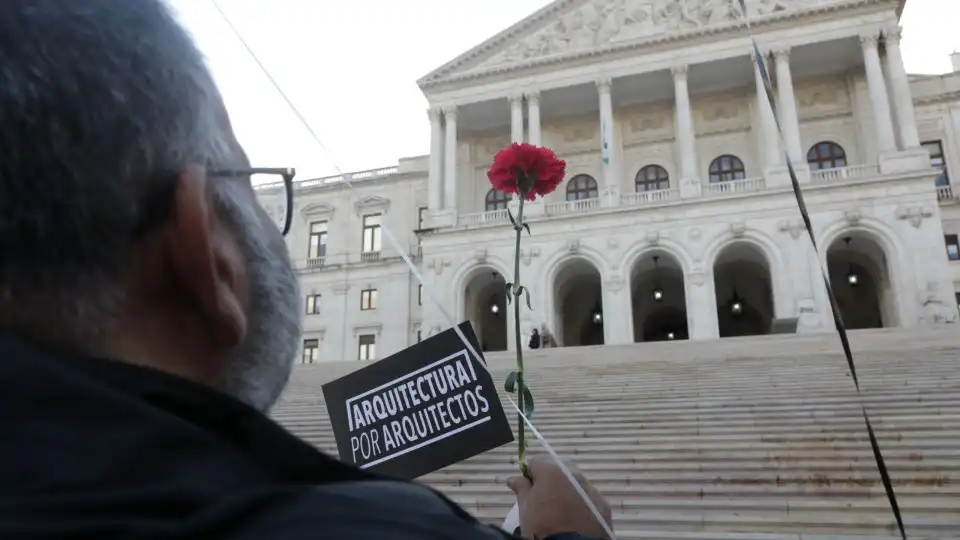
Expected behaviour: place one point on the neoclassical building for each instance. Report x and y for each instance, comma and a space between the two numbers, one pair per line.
677, 219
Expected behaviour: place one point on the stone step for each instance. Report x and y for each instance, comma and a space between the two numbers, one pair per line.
614, 489
879, 506
823, 522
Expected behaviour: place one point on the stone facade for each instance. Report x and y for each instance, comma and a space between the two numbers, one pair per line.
678, 219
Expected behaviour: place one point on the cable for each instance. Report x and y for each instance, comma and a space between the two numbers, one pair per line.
834, 307
413, 269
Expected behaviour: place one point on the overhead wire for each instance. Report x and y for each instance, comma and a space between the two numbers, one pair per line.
434, 297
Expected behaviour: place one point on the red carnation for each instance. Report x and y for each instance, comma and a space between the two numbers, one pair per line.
526, 169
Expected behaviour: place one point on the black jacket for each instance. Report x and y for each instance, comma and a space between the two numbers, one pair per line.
100, 449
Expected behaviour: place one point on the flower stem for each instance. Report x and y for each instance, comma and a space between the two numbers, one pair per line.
521, 441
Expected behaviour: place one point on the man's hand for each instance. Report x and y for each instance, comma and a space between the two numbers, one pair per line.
550, 505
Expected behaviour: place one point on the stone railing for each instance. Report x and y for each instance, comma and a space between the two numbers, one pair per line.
571, 207
947, 194
719, 189
483, 218
747, 185
369, 256
840, 174
313, 182
649, 197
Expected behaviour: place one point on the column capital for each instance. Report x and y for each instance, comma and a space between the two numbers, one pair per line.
892, 34
450, 111
680, 71
515, 98
533, 96
604, 84
868, 40
781, 53
434, 113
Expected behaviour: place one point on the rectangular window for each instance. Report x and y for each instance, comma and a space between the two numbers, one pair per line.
313, 304
953, 247
419, 295
368, 299
937, 161
318, 240
311, 351
419, 336
367, 344
371, 233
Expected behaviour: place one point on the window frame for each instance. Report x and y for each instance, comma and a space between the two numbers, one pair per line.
717, 173
368, 299
937, 144
375, 234
310, 344
317, 241
644, 179
952, 240
589, 187
368, 349
831, 158
312, 304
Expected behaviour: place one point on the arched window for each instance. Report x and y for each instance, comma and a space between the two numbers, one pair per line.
726, 168
496, 200
826, 155
581, 187
652, 178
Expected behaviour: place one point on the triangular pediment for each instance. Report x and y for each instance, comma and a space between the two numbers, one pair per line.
571, 27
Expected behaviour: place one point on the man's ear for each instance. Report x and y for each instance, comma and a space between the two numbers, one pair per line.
207, 260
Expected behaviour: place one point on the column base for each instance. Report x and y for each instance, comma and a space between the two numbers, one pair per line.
910, 160
690, 188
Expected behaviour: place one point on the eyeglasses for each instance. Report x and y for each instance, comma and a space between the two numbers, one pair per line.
285, 182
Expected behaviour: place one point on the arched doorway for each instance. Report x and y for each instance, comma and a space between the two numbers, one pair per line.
744, 289
658, 299
857, 266
485, 306
578, 303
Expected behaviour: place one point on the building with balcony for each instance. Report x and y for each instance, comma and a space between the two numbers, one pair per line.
677, 219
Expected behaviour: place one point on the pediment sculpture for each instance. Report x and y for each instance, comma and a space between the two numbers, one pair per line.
602, 22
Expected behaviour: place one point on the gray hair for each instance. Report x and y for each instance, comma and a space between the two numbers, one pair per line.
102, 102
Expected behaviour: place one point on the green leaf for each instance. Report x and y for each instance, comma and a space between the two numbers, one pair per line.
510, 385
513, 221
527, 401
527, 292
527, 227
508, 288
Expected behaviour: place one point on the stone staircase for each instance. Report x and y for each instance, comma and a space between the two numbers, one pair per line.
738, 439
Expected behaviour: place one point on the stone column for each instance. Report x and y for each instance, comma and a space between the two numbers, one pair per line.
516, 118
883, 123
616, 312
768, 124
450, 159
686, 138
900, 86
533, 118
607, 148
789, 119
435, 177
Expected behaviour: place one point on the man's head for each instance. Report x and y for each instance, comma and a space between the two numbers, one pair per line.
114, 240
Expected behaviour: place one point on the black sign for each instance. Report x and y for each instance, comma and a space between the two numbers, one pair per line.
415, 412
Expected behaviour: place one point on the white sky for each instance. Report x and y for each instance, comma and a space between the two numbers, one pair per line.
350, 67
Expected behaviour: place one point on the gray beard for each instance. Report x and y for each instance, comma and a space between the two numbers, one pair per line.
260, 368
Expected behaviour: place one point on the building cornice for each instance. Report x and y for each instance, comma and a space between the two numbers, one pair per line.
444, 76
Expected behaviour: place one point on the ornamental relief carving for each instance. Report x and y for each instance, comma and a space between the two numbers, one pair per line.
603, 22
822, 100
485, 148
722, 114
574, 135
646, 125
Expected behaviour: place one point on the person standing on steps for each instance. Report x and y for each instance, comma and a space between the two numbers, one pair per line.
149, 313
534, 339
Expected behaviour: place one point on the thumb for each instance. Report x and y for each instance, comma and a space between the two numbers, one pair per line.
519, 485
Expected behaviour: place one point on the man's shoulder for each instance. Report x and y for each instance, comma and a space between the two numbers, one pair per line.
369, 509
